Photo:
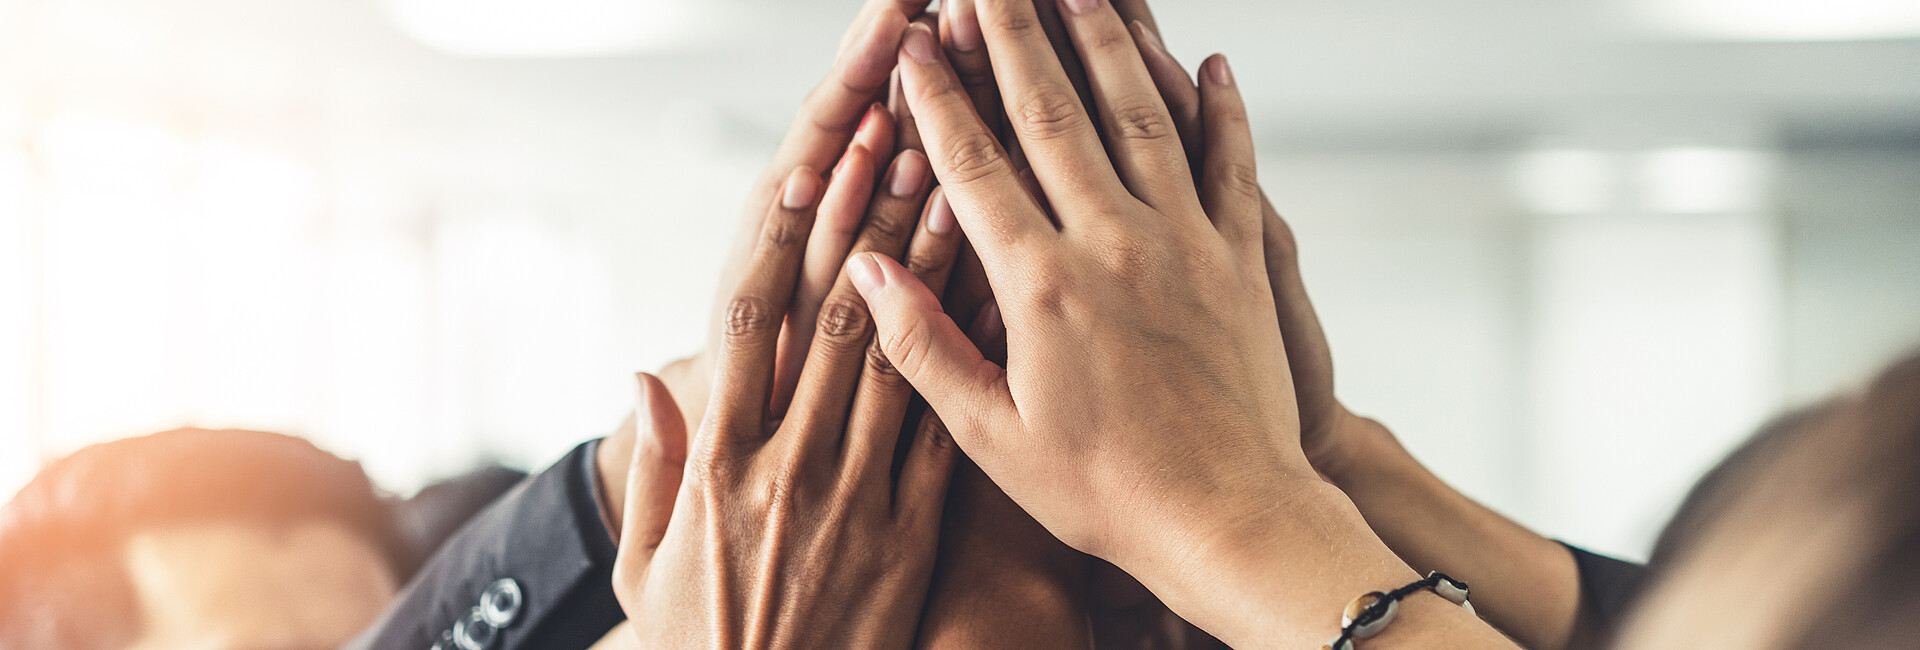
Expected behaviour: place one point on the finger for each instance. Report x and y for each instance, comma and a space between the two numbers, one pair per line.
659, 460
1231, 188
845, 328
967, 290
743, 373
928, 470
1176, 89
997, 214
1046, 113
967, 50
928, 350
1056, 29
1137, 11
880, 403
907, 8
834, 229
822, 128
909, 127
876, 132
1305, 340
1139, 131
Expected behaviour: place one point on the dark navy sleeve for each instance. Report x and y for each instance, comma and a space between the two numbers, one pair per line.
533, 570
1608, 588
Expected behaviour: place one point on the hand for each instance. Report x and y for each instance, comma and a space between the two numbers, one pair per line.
845, 206
1107, 286
828, 120
1326, 426
794, 532
1002, 580
1172, 446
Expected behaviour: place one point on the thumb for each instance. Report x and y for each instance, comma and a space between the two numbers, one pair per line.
659, 458
929, 350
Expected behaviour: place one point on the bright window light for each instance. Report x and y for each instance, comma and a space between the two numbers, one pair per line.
541, 28
1568, 181
1699, 180
1781, 20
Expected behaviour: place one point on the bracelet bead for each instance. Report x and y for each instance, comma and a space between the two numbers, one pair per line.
1367, 615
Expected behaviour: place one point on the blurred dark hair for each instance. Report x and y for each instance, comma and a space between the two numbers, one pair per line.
62, 581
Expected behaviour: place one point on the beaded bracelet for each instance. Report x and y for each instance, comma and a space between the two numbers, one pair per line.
1372, 611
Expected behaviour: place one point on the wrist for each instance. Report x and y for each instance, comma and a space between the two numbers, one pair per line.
1366, 452
1277, 575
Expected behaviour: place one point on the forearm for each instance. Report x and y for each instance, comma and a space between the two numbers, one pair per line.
1282, 579
1523, 583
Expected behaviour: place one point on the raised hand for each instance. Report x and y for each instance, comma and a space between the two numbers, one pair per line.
794, 532
833, 112
1146, 415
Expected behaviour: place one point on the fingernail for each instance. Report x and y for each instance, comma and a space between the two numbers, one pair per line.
1219, 71
966, 31
990, 323
920, 44
1152, 39
803, 188
872, 114
909, 174
644, 412
1081, 6
940, 217
865, 274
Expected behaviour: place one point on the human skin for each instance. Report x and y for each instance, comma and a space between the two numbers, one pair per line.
790, 529
219, 585
1175, 453
837, 113
1524, 583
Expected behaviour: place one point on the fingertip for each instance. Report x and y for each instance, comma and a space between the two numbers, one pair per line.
940, 217
867, 276
803, 189
963, 27
909, 174
919, 44
1218, 72
991, 324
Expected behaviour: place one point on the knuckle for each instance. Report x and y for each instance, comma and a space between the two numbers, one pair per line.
972, 157
925, 264
1017, 23
1050, 113
842, 319
890, 228
908, 347
935, 436
881, 368
1111, 41
786, 231
750, 318
1142, 121
1241, 179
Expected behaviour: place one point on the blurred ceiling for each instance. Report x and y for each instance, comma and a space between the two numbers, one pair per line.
1347, 74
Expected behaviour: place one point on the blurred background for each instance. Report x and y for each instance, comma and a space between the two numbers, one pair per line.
1570, 251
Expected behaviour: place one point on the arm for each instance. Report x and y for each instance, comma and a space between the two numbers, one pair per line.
544, 536
1146, 293
1523, 583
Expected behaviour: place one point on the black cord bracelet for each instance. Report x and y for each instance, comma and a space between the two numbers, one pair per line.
1371, 612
